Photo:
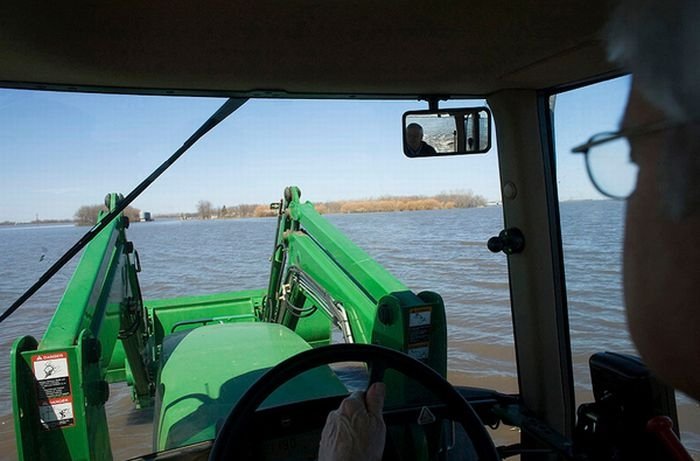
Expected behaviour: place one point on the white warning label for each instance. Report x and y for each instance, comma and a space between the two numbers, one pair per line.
420, 352
419, 316
49, 366
53, 390
57, 413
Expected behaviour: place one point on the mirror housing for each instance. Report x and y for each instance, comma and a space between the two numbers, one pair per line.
431, 133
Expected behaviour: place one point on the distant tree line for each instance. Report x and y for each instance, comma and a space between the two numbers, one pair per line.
445, 200
404, 203
87, 214
205, 210
462, 199
36, 221
246, 210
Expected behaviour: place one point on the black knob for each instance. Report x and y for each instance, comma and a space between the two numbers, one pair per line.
495, 244
509, 241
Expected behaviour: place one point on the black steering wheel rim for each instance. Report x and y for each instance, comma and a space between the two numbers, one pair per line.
231, 435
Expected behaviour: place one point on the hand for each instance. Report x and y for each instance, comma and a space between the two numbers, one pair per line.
356, 430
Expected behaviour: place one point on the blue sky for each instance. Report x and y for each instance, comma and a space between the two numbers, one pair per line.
59, 151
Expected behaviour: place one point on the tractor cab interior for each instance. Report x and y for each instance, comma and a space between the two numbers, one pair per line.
517, 62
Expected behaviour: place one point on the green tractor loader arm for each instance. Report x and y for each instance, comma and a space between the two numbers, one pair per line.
171, 351
60, 384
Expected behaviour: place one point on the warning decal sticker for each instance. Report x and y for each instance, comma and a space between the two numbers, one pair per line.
53, 390
419, 330
419, 352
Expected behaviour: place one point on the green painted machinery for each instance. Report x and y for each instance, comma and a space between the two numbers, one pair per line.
193, 357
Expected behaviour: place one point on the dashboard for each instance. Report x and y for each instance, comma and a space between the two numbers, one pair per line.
292, 432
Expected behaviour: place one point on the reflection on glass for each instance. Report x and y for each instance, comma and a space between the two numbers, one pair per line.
453, 131
415, 144
477, 131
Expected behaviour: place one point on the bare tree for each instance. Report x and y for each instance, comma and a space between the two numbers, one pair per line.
244, 211
87, 214
204, 209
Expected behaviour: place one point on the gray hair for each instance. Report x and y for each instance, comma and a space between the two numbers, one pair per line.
659, 42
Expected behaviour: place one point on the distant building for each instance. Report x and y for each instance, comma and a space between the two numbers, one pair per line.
145, 216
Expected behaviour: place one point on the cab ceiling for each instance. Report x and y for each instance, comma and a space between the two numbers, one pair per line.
302, 47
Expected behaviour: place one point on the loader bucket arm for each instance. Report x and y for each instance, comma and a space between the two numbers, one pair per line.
60, 384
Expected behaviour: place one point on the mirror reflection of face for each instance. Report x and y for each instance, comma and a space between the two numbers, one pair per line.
414, 136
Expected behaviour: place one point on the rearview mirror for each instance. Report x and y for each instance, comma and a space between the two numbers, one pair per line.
430, 133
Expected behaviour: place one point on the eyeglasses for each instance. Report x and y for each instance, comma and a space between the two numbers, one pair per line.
608, 162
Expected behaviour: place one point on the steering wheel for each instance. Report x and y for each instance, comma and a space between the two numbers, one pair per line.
234, 433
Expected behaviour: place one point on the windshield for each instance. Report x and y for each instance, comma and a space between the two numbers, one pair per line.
204, 227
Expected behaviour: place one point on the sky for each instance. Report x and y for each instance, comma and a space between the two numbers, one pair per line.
59, 151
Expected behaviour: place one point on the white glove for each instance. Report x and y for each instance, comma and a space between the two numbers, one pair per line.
355, 431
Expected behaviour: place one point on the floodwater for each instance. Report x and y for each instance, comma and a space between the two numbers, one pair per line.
443, 251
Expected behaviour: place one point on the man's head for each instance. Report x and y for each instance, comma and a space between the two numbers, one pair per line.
659, 42
414, 136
